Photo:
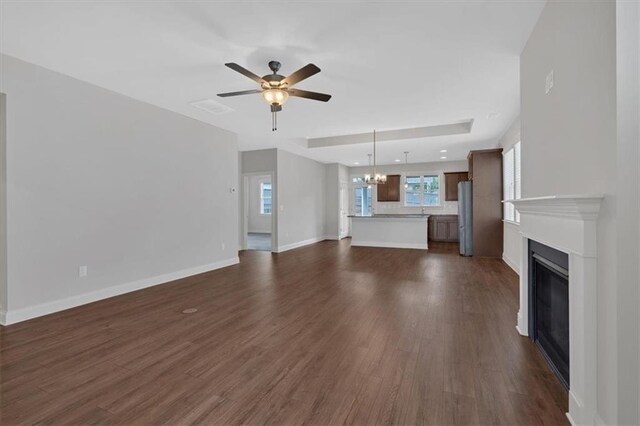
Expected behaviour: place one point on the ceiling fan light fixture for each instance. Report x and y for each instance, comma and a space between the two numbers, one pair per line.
275, 96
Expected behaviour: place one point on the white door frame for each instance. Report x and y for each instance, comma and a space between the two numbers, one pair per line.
245, 207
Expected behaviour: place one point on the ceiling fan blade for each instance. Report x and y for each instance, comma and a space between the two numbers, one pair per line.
243, 92
309, 95
304, 72
246, 72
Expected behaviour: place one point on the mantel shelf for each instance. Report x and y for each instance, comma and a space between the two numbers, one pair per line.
580, 207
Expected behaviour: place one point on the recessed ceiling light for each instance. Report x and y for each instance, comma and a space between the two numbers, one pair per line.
443, 158
356, 163
443, 150
397, 160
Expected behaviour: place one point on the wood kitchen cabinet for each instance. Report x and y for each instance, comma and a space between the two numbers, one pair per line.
451, 180
485, 172
389, 191
443, 228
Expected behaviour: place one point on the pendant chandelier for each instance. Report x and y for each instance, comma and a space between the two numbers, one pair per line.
374, 178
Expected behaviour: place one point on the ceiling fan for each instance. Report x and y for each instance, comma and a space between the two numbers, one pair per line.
276, 88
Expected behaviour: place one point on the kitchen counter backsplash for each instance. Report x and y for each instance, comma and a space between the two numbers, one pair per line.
448, 207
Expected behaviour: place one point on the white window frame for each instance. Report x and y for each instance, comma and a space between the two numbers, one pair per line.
511, 182
262, 197
422, 175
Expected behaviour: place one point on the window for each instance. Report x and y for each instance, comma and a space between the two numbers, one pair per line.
363, 205
265, 197
511, 182
422, 191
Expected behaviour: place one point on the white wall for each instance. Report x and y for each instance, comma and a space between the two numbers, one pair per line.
569, 146
139, 194
512, 246
262, 160
447, 207
627, 208
3, 209
258, 222
332, 200
301, 186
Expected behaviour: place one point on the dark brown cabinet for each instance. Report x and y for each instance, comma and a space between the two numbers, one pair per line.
443, 228
485, 172
451, 180
389, 191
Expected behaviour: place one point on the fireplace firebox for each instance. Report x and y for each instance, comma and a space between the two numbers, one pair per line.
549, 306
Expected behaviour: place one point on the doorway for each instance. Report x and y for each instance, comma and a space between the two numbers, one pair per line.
258, 212
344, 211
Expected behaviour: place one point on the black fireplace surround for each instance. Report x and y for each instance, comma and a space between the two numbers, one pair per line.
549, 306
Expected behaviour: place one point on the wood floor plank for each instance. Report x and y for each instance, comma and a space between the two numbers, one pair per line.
324, 334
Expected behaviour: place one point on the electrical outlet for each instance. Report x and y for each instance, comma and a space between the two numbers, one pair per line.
548, 83
83, 271
222, 245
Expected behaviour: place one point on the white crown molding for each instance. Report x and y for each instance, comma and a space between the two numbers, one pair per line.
582, 207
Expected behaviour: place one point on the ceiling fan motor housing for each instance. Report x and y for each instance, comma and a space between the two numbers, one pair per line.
273, 79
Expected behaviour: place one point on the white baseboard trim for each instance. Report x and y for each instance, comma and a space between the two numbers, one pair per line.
511, 264
519, 325
23, 314
335, 237
389, 245
298, 244
597, 420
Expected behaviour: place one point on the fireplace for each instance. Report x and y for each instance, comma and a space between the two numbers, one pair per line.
549, 306
566, 225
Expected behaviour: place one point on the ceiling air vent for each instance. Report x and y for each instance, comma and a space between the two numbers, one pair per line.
212, 106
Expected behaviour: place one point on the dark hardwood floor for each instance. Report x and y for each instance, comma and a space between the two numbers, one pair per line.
325, 334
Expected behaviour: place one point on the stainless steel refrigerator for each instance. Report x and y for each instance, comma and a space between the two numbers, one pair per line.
465, 218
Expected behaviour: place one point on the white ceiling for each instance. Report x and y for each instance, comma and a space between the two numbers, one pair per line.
388, 65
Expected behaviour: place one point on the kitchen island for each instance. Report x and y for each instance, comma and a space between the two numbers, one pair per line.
390, 230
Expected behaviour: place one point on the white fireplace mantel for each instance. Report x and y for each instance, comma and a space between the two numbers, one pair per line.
568, 224
584, 207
